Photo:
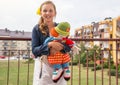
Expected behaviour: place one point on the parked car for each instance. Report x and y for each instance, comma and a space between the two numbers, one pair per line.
2, 57
25, 57
14, 57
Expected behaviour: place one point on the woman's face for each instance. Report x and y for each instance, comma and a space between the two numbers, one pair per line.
48, 13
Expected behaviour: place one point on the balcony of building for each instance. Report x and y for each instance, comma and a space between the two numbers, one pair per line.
19, 71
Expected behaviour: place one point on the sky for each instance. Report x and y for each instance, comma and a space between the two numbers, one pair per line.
21, 14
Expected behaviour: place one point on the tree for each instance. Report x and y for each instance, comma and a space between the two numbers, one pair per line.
89, 52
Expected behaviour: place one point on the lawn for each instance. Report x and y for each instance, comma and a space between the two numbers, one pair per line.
23, 70
13, 73
91, 80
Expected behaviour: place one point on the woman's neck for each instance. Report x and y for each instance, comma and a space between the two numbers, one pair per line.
51, 25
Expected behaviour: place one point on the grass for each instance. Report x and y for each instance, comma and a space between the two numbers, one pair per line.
13, 75
91, 79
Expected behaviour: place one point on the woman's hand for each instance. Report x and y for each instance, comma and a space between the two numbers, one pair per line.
53, 51
55, 45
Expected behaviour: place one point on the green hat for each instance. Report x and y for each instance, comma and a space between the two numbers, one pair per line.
63, 28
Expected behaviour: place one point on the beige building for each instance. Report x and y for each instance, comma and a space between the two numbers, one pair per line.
109, 28
14, 47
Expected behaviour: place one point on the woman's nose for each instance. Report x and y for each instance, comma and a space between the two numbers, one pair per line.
47, 12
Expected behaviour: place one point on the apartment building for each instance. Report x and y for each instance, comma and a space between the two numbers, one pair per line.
107, 29
13, 47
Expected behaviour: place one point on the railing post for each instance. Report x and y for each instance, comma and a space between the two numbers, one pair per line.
18, 67
117, 63
102, 61
71, 54
28, 68
95, 68
8, 68
79, 69
87, 67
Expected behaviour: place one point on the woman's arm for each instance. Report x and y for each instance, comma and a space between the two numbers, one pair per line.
38, 48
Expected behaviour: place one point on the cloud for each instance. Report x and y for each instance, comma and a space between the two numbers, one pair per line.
17, 14
21, 14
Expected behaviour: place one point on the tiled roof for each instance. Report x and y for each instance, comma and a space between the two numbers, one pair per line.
15, 34
3, 32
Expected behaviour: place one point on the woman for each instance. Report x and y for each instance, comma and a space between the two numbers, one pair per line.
43, 71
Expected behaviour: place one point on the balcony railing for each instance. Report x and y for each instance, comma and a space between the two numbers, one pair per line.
17, 71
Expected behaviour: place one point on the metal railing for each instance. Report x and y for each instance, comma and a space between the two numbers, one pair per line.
77, 71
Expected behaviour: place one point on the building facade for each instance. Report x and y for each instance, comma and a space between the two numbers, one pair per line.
14, 47
109, 28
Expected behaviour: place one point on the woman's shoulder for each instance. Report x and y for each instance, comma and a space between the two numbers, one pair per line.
36, 27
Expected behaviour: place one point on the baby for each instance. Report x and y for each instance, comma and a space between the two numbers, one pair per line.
60, 60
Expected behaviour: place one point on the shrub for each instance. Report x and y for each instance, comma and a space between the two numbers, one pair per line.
98, 67
73, 63
89, 52
112, 72
105, 65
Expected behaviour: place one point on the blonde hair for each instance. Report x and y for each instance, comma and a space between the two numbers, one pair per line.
42, 26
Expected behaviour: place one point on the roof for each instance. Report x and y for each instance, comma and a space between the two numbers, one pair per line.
14, 34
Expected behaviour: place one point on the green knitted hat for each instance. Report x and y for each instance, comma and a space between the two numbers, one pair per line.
63, 28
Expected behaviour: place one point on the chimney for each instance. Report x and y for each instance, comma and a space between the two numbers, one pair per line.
6, 29
23, 32
16, 31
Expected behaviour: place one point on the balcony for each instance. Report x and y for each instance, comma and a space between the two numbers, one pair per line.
18, 71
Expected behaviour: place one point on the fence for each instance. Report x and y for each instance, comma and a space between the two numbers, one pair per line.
104, 71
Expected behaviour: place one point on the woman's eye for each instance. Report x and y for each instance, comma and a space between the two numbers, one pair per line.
47, 11
51, 11
44, 10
